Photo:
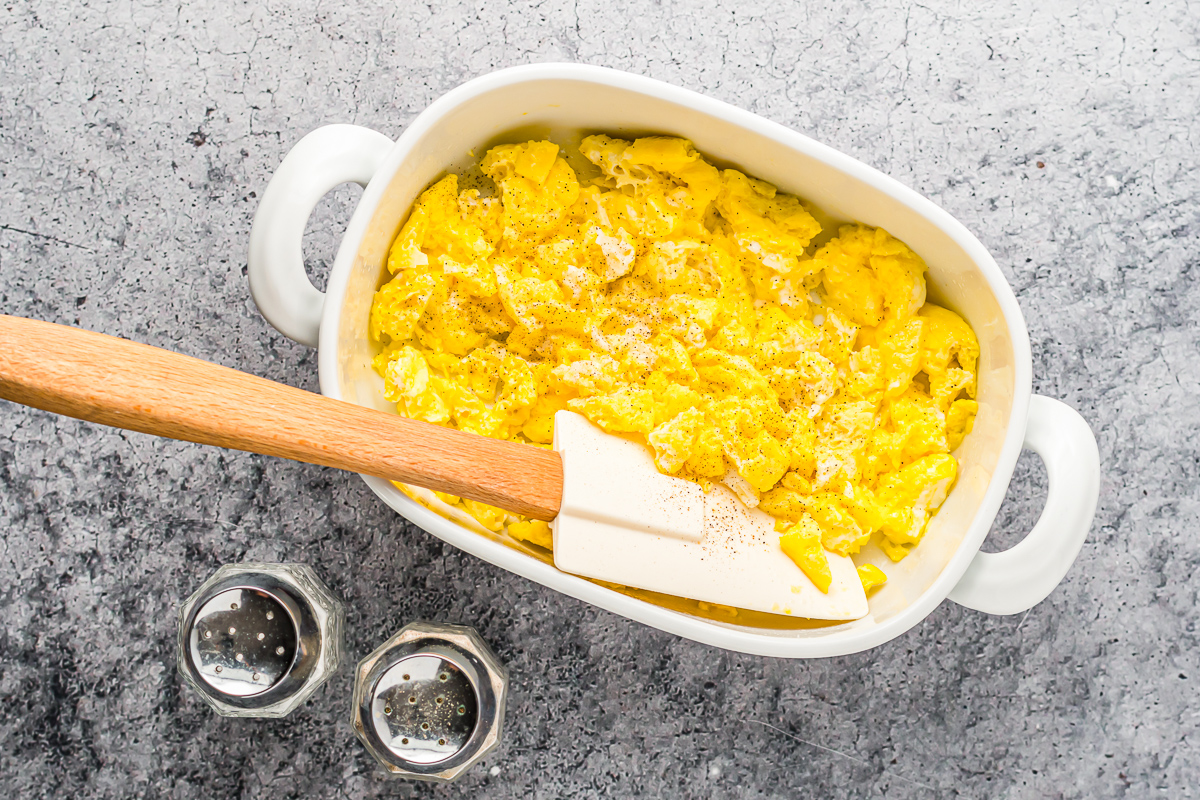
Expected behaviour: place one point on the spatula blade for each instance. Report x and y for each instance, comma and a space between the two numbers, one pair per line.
648, 540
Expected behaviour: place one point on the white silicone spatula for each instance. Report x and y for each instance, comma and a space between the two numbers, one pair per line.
614, 516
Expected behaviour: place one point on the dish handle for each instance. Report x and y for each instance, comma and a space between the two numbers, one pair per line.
1022, 576
321, 161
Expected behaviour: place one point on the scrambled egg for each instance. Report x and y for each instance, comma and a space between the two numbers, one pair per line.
688, 307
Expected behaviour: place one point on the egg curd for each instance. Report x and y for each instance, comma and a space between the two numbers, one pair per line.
687, 307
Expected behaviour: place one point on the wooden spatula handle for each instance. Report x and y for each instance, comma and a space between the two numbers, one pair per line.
116, 382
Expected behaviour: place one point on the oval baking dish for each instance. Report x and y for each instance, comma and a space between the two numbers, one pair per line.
562, 101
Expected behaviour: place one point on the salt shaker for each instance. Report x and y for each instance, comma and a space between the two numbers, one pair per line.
256, 640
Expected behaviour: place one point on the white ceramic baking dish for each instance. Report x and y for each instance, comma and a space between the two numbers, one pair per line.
563, 100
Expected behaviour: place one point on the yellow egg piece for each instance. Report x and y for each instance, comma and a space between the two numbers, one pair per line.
871, 576
533, 531
802, 544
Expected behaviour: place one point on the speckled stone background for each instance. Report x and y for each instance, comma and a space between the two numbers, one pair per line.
133, 140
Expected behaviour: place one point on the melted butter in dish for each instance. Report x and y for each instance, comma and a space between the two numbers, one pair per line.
687, 308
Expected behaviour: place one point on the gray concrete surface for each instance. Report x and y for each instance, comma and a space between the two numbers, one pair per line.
133, 138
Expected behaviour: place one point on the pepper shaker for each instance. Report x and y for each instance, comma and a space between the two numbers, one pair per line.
429, 702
